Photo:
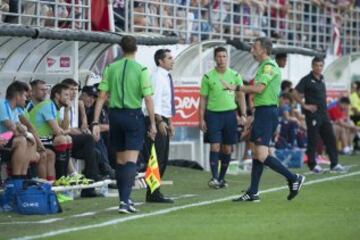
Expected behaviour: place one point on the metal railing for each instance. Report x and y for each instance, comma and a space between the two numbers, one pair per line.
73, 14
313, 24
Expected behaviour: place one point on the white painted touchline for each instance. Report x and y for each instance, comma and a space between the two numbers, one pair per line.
85, 214
169, 210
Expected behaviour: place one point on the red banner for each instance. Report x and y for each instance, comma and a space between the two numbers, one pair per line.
100, 15
187, 100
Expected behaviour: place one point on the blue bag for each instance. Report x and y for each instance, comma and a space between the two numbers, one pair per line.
36, 198
8, 202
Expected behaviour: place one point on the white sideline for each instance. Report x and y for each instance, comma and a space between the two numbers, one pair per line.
85, 214
169, 210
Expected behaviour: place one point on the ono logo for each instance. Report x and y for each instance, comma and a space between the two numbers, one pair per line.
186, 106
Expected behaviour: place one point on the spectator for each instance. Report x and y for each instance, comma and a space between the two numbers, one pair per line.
45, 168
21, 148
357, 3
22, 145
286, 86
345, 130
13, 8
89, 95
4, 8
281, 60
139, 16
278, 13
355, 104
119, 9
83, 142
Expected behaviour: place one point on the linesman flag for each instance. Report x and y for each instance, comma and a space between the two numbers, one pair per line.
152, 175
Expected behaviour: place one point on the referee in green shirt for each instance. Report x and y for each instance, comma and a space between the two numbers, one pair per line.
266, 92
126, 83
218, 114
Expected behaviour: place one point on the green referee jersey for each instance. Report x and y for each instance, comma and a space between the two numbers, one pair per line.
218, 98
269, 74
127, 82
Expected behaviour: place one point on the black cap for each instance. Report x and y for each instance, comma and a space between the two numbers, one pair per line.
90, 90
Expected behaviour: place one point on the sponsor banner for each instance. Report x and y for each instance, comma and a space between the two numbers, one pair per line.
187, 101
59, 64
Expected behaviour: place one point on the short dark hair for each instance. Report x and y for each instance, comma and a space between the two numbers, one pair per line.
219, 49
265, 43
160, 55
15, 88
316, 60
35, 82
57, 89
344, 100
287, 96
70, 82
128, 44
280, 56
285, 84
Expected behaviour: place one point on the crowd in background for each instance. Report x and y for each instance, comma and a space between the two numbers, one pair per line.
296, 21
48, 10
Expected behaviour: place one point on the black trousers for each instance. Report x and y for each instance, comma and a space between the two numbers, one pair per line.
84, 148
318, 124
162, 145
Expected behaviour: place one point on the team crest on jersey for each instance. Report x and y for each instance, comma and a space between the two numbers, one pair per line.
268, 70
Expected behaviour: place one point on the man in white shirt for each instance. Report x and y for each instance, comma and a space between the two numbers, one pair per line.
164, 109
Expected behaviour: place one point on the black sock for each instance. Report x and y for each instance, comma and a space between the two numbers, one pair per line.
125, 176
225, 160
256, 172
61, 164
214, 164
278, 167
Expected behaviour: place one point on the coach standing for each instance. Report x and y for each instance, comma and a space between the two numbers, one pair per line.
126, 82
266, 90
312, 88
218, 114
164, 105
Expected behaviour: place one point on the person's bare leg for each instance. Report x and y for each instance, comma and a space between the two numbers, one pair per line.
19, 157
50, 165
42, 166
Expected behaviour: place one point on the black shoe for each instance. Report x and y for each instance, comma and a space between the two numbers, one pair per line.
158, 198
88, 193
294, 187
223, 184
127, 208
247, 197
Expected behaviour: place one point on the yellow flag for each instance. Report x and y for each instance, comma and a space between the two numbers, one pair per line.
152, 174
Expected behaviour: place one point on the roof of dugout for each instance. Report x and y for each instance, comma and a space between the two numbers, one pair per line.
197, 59
24, 51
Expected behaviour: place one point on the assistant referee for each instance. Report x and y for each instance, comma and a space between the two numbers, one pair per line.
126, 82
